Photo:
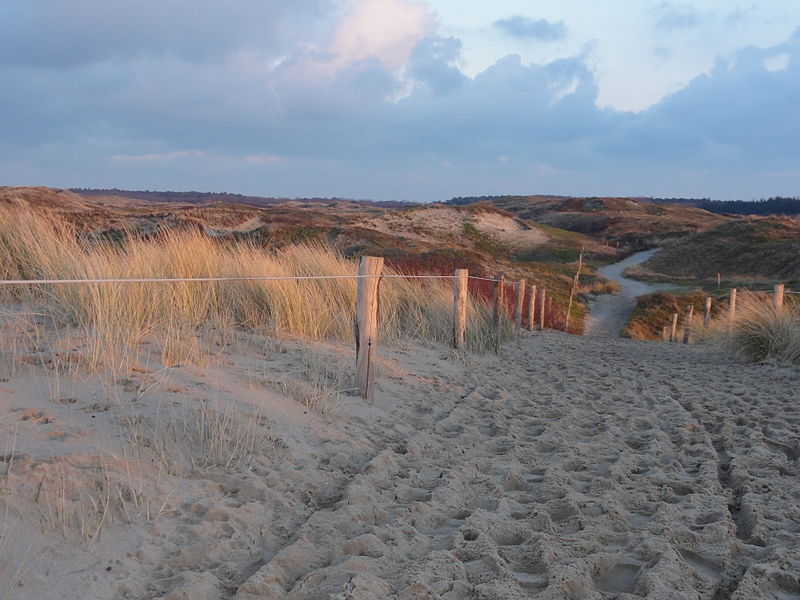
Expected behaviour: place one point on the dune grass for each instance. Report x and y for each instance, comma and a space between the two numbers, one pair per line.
759, 331
119, 330
116, 317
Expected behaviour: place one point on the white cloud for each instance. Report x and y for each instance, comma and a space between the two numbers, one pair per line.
384, 29
167, 156
778, 62
262, 159
525, 28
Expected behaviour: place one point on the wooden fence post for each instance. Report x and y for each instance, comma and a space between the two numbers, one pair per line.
573, 290
366, 325
542, 298
665, 333
498, 307
673, 331
520, 290
687, 326
531, 307
777, 298
732, 310
707, 316
460, 308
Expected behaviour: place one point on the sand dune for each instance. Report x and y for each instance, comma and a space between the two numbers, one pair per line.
567, 468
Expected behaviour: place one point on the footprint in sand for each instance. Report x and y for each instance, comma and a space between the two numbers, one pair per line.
619, 578
527, 567
701, 564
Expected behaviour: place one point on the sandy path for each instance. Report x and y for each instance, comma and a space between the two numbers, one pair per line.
640, 470
609, 313
569, 468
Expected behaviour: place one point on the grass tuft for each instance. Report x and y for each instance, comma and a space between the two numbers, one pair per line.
760, 332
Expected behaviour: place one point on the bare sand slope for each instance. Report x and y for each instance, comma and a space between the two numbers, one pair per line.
567, 468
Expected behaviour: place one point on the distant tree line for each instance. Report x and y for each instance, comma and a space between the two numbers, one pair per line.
778, 205
202, 197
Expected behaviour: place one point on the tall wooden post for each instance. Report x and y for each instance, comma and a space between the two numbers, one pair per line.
707, 316
777, 298
719, 280
732, 310
531, 307
366, 325
498, 299
687, 326
498, 307
575, 282
665, 333
542, 299
520, 291
460, 308
673, 331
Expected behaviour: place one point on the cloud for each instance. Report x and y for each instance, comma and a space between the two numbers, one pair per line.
662, 52
525, 28
167, 156
434, 64
777, 62
377, 115
69, 33
742, 114
675, 17
383, 29
262, 159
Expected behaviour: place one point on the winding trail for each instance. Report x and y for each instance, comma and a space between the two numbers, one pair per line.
609, 313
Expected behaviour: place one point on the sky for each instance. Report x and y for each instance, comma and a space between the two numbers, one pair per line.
403, 99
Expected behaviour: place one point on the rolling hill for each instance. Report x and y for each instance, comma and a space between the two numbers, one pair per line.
629, 221
755, 249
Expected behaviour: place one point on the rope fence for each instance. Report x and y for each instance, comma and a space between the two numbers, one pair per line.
10, 282
512, 307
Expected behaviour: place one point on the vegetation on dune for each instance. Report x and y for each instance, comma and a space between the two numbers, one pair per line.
760, 332
755, 249
653, 312
208, 197
116, 318
637, 223
482, 237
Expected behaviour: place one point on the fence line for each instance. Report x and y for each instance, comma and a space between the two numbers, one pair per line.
482, 279
10, 282
770, 292
777, 295
366, 320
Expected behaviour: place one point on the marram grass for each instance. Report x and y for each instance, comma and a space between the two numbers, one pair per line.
116, 317
759, 331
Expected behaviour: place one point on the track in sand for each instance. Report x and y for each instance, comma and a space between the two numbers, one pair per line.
567, 468
581, 469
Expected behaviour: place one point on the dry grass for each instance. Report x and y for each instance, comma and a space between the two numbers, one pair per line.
320, 382
116, 318
759, 332
600, 286
129, 335
79, 501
